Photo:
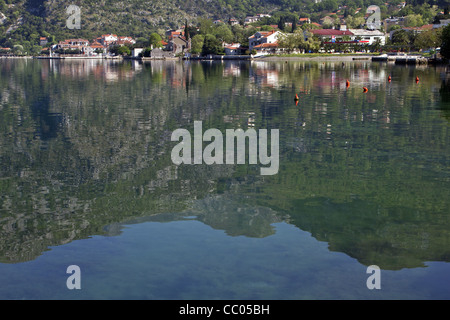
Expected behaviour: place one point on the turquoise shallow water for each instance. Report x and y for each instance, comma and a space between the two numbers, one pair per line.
86, 179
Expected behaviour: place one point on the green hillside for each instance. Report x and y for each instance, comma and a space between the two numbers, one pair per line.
23, 22
27, 20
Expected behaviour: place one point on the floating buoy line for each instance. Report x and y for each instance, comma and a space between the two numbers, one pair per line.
347, 84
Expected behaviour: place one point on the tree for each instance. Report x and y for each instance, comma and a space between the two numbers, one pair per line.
445, 46
186, 30
400, 38
155, 40
428, 39
292, 41
120, 50
223, 33
18, 49
211, 45
281, 23
302, 40
197, 43
414, 20
124, 51
206, 26
142, 42
376, 46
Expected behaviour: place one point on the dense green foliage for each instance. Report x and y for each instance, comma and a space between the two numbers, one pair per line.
445, 47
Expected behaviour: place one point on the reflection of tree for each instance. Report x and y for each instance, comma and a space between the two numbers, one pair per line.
445, 99
225, 212
392, 238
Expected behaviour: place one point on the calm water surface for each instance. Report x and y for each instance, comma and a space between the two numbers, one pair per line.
86, 178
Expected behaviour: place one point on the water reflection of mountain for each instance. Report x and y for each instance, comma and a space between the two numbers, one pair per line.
224, 212
79, 152
390, 237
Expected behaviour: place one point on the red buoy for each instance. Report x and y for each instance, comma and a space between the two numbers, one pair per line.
417, 79
389, 78
296, 97
365, 89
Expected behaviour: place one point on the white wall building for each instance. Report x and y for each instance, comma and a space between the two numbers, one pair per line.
368, 36
263, 37
442, 23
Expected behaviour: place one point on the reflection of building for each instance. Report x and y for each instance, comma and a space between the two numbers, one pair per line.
264, 75
100, 69
232, 69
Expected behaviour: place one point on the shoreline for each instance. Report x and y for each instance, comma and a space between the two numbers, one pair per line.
317, 58
356, 57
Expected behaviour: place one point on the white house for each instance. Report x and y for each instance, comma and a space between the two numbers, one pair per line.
136, 52
262, 37
442, 23
251, 19
108, 39
368, 36
233, 49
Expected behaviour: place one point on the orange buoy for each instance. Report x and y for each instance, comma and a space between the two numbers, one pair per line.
417, 79
348, 83
365, 89
296, 97
389, 78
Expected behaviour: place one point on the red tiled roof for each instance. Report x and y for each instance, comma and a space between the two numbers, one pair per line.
427, 27
266, 45
424, 27
96, 45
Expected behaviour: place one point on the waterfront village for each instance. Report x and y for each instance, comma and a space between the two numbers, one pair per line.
295, 37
